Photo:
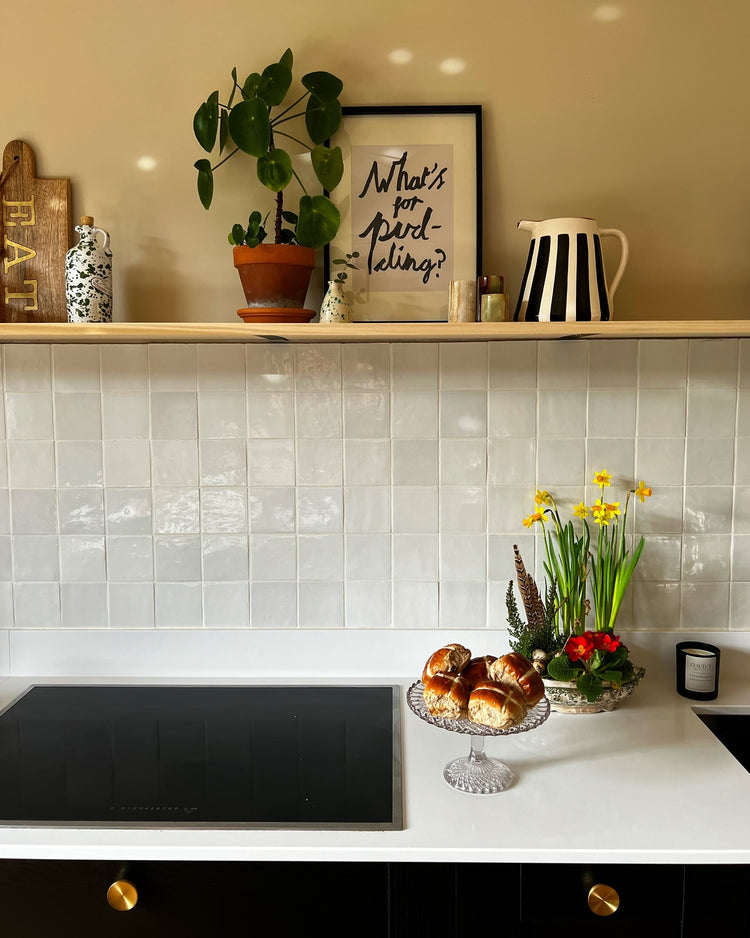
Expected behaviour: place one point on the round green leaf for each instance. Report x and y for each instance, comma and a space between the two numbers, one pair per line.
250, 127
205, 182
323, 85
237, 234
319, 220
275, 170
561, 669
328, 165
322, 118
250, 87
274, 84
206, 122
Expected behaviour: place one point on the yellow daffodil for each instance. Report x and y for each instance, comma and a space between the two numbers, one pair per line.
612, 509
542, 497
536, 516
642, 492
602, 478
581, 511
599, 512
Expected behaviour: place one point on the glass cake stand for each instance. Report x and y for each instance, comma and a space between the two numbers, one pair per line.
476, 773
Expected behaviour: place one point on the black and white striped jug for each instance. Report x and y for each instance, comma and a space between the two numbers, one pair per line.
564, 279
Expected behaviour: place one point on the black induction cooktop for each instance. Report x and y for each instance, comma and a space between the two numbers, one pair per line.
258, 756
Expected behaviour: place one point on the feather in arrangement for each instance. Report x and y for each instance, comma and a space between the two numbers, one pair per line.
532, 602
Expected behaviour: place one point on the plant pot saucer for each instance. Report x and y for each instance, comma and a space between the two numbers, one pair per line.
275, 314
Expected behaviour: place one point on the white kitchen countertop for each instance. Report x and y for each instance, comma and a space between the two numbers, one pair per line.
645, 783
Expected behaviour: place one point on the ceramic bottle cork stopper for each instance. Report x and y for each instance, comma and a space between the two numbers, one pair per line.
88, 275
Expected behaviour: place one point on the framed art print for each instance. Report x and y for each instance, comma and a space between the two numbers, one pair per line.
410, 203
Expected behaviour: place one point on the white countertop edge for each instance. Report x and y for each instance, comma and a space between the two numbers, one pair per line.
49, 848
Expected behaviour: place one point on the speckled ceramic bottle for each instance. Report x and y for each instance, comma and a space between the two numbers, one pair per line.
88, 275
335, 306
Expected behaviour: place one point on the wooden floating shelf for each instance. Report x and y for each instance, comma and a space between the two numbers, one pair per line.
154, 332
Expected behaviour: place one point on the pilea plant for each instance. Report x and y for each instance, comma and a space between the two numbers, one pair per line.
253, 119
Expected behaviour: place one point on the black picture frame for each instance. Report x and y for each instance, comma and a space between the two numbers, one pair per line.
417, 172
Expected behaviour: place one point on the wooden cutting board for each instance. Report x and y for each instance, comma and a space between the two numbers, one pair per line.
35, 234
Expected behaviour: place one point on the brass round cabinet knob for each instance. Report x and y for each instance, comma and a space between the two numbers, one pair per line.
122, 895
603, 900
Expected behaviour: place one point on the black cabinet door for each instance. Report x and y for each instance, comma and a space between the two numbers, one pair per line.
648, 899
42, 899
717, 901
451, 900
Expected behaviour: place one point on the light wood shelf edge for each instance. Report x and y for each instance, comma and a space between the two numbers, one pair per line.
155, 332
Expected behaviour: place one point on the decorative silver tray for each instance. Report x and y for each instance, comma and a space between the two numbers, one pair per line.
476, 773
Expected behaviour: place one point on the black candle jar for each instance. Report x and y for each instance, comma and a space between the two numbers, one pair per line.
697, 667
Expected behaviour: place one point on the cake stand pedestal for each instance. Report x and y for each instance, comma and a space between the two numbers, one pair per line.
476, 773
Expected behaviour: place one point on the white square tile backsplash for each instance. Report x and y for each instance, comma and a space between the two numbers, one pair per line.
362, 486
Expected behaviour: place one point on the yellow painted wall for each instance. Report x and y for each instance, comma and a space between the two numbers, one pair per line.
634, 112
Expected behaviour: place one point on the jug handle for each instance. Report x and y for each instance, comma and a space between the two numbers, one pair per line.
101, 231
616, 233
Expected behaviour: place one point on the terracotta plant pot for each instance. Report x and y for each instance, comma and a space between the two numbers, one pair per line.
275, 278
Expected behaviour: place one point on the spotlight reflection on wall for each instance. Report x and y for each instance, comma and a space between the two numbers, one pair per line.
401, 56
452, 66
608, 12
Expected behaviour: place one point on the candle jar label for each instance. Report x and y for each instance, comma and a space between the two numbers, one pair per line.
700, 671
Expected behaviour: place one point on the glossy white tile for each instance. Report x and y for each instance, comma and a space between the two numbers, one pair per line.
226, 606
416, 557
320, 556
130, 559
366, 462
415, 462
36, 605
76, 367
28, 415
414, 413
366, 366
463, 414
319, 462
513, 365
321, 605
221, 415
172, 367
131, 605
220, 367
178, 605
269, 367
125, 415
226, 556
224, 510
415, 367
79, 463
127, 463
464, 366
82, 558
463, 462
177, 557
176, 510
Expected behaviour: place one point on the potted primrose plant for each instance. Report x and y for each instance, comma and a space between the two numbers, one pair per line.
256, 120
586, 670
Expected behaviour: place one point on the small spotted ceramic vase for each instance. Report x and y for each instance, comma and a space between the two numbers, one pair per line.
336, 306
88, 275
